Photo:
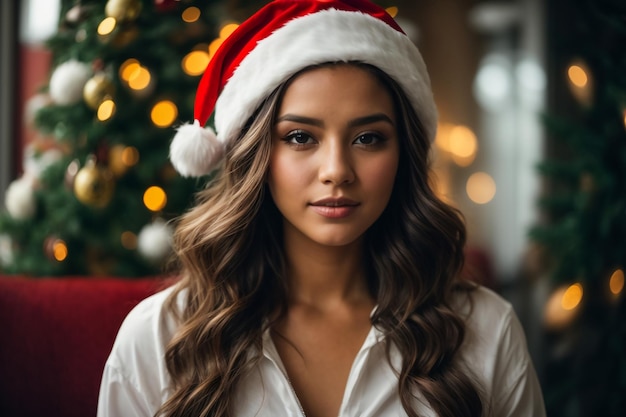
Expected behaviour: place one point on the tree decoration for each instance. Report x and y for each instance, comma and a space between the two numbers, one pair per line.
123, 10
94, 185
155, 240
20, 198
97, 89
67, 82
78, 189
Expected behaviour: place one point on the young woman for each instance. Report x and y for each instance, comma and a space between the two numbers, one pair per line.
319, 272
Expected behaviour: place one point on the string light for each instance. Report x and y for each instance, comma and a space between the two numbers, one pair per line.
227, 29
195, 62
463, 145
191, 14
442, 140
616, 282
392, 11
164, 113
127, 68
106, 110
107, 26
561, 308
480, 188
577, 76
154, 198
572, 297
139, 78
59, 250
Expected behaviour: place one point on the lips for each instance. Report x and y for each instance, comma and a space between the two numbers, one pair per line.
334, 208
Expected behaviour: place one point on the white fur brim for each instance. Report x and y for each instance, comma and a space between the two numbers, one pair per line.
326, 36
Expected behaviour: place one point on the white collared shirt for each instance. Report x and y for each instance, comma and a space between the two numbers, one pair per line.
136, 382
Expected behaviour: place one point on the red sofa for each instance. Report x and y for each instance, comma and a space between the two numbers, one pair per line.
55, 337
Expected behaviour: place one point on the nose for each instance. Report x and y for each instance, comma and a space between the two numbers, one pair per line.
336, 166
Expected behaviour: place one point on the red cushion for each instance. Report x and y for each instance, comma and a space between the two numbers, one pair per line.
55, 337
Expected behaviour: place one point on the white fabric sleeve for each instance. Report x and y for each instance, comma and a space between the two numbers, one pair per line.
517, 392
119, 397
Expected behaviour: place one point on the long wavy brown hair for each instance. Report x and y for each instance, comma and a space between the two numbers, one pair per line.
233, 285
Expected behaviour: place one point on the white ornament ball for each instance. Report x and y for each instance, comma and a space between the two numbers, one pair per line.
6, 250
35, 164
67, 82
34, 104
155, 240
20, 198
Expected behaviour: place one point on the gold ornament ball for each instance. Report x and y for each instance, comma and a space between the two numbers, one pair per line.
94, 185
96, 90
123, 10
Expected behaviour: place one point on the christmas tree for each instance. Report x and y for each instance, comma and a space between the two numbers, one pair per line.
97, 193
585, 211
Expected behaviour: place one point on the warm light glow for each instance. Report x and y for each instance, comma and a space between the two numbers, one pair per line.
130, 156
106, 109
195, 62
164, 113
555, 315
480, 188
624, 118
572, 297
59, 250
393, 11
227, 29
214, 46
154, 198
616, 282
191, 14
577, 76
129, 240
128, 68
139, 79
106, 26
442, 140
462, 141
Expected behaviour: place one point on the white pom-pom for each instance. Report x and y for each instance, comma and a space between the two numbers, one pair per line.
155, 240
195, 151
67, 82
20, 198
6, 250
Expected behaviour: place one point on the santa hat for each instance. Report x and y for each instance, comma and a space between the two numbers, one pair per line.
278, 41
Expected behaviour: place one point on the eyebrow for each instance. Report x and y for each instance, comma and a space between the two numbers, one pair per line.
360, 121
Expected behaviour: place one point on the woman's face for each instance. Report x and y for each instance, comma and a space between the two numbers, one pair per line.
334, 155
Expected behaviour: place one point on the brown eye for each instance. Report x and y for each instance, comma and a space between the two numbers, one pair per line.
368, 139
299, 138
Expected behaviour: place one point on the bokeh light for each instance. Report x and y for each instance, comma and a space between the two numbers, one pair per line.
393, 11
127, 68
130, 156
616, 282
154, 198
577, 75
164, 113
107, 26
139, 78
195, 62
129, 240
572, 297
480, 188
106, 110
191, 14
227, 29
59, 250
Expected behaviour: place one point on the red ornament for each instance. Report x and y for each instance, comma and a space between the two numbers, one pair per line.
164, 6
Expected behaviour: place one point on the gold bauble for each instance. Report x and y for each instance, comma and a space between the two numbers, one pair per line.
94, 185
123, 10
97, 89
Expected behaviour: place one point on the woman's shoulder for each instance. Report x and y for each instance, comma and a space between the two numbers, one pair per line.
144, 334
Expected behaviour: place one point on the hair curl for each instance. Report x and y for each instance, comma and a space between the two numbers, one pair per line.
229, 250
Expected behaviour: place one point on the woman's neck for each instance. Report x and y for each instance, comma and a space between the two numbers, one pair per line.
324, 277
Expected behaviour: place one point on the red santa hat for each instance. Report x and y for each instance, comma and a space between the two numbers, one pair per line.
281, 39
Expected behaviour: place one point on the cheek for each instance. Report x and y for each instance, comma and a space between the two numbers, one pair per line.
285, 174
380, 175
